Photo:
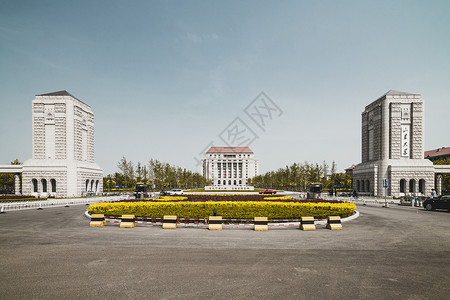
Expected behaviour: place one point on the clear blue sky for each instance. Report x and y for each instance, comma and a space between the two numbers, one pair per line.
165, 78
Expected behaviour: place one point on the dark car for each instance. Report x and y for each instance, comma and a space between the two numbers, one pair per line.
268, 192
441, 202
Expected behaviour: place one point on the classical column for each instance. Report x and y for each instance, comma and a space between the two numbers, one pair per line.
17, 184
438, 184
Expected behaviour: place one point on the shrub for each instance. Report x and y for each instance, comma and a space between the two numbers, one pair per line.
226, 209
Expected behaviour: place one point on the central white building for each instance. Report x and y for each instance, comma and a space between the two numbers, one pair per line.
229, 168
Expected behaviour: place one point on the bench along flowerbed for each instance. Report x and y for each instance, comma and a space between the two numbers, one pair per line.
226, 209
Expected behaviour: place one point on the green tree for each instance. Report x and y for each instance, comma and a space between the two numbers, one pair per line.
127, 169
7, 181
445, 177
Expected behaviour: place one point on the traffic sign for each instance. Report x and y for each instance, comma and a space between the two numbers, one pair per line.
385, 183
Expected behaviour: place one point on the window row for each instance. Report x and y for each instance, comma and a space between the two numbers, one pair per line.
412, 186
224, 182
44, 187
405, 186
90, 184
363, 186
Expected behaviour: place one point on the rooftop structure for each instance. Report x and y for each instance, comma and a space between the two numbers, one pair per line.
438, 154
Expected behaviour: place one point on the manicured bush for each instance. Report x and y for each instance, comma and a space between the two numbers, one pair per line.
226, 209
29, 198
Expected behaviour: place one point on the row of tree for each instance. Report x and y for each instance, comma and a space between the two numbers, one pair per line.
299, 176
158, 175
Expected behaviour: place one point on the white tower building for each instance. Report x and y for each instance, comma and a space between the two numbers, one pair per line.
393, 147
229, 168
63, 148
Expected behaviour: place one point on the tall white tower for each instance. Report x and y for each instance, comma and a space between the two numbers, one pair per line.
392, 147
63, 148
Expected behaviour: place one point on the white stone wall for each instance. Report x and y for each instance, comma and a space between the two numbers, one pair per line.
59, 176
38, 133
414, 173
92, 178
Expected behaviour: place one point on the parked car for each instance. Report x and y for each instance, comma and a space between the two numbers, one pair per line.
441, 202
268, 192
175, 192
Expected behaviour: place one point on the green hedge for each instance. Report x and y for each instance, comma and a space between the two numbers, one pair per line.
22, 199
228, 210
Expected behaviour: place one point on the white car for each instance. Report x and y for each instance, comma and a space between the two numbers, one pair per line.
175, 192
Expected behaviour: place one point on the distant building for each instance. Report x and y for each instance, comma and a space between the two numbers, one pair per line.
63, 149
438, 154
229, 168
349, 170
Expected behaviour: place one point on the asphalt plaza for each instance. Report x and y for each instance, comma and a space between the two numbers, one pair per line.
397, 252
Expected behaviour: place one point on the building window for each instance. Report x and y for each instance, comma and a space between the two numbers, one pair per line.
229, 182
402, 185
422, 186
87, 184
412, 184
44, 185
96, 186
35, 185
92, 185
363, 189
53, 184
358, 186
240, 182
368, 186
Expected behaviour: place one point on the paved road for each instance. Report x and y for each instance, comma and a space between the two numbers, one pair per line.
395, 253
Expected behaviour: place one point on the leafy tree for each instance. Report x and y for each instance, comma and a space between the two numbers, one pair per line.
7, 181
445, 177
298, 176
163, 175
127, 169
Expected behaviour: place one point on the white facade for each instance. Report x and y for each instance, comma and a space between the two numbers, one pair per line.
63, 149
229, 168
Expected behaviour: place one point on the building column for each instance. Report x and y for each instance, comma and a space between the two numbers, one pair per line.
438, 184
17, 184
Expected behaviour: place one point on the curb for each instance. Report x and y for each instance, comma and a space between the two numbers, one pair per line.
321, 222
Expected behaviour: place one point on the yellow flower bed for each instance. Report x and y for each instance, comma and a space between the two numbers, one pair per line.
226, 209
